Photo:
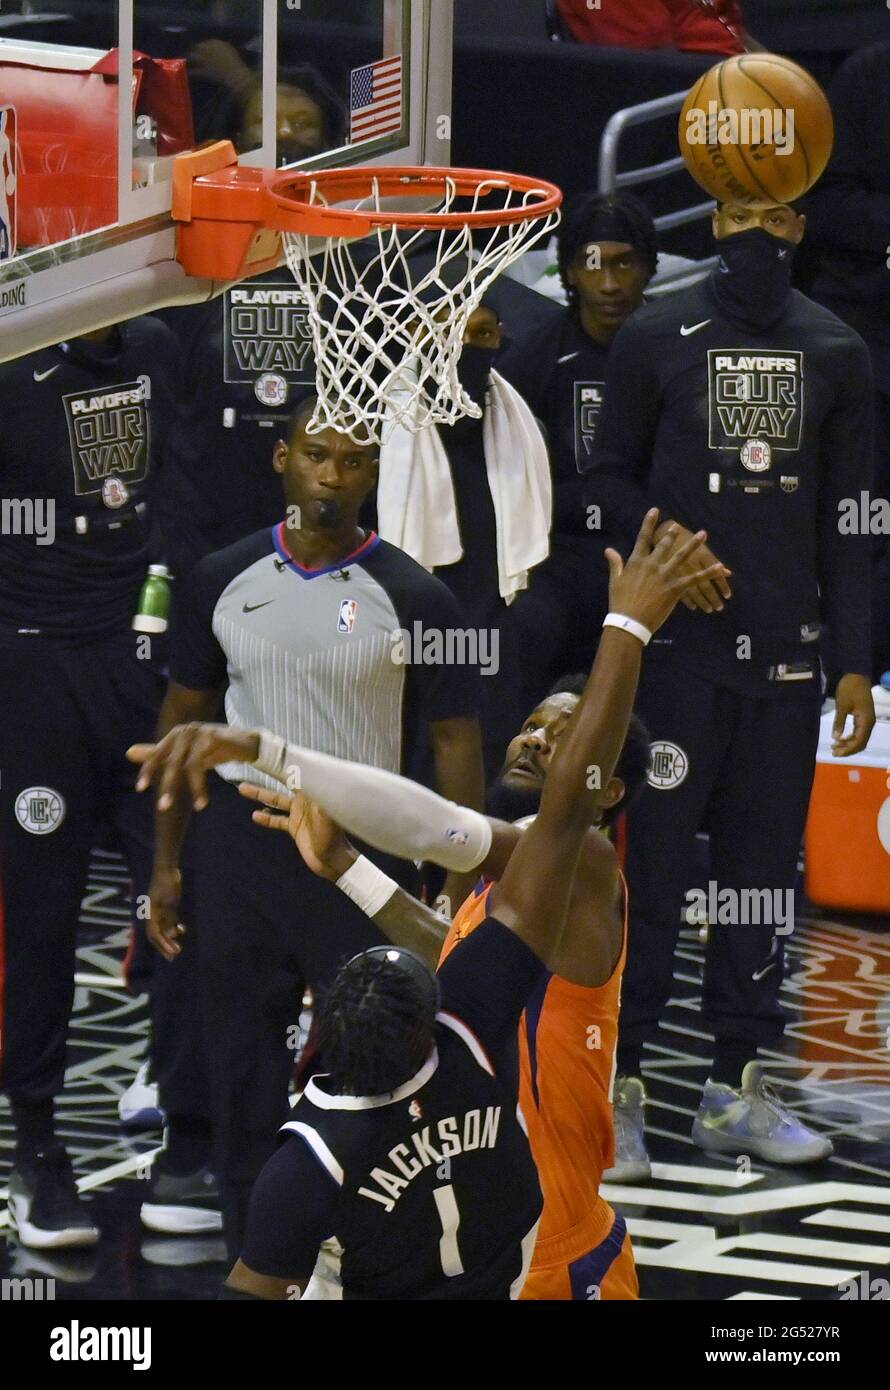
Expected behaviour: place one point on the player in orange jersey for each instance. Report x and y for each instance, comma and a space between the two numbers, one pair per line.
568, 1030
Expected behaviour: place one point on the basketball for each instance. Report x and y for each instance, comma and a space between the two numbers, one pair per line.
756, 129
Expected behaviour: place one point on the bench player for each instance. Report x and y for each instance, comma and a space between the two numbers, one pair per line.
538, 869
741, 402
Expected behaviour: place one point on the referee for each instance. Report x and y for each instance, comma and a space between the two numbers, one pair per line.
297, 624
741, 406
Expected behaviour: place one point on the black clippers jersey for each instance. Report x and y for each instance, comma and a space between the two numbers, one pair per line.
431, 1191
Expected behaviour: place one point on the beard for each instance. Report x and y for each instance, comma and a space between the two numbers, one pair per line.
511, 804
330, 515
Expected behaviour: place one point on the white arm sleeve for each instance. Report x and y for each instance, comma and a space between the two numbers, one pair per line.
389, 812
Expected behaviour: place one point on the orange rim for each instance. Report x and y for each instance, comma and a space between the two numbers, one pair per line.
291, 193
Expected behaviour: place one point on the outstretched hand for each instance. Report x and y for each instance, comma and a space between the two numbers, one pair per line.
657, 574
181, 761
320, 840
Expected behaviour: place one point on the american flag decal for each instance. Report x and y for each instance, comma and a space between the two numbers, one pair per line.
375, 99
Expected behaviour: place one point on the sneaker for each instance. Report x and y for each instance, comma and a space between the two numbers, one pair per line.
754, 1121
138, 1106
632, 1162
66, 1266
45, 1208
190, 1252
182, 1206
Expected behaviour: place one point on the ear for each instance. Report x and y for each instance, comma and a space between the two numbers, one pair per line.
279, 456
612, 794
715, 223
801, 228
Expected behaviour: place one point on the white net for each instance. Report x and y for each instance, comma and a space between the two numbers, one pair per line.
389, 311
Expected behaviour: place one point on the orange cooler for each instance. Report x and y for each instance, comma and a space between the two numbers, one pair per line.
848, 830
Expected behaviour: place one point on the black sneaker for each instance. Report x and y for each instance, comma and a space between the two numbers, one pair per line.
45, 1208
182, 1206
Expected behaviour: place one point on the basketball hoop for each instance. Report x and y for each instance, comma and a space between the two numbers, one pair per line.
389, 291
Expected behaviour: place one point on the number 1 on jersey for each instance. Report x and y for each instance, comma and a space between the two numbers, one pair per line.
446, 1205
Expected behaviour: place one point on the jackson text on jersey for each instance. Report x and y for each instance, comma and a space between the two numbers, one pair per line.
456, 1134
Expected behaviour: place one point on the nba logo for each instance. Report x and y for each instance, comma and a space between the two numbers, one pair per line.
7, 182
346, 620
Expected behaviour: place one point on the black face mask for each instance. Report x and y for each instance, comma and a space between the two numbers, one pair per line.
752, 279
474, 370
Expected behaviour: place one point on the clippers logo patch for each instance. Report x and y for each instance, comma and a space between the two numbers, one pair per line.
8, 179
270, 389
756, 456
755, 401
39, 810
109, 430
669, 766
346, 618
114, 494
588, 404
267, 341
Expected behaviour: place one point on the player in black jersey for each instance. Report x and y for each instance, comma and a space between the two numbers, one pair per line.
247, 361
741, 403
410, 1151
82, 432
607, 255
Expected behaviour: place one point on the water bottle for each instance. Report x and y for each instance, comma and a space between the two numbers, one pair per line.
154, 601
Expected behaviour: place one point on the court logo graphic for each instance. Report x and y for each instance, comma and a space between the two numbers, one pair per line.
40, 810
110, 437
267, 340
755, 404
8, 200
588, 404
346, 617
669, 765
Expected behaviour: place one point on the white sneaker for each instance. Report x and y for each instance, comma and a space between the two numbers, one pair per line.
138, 1106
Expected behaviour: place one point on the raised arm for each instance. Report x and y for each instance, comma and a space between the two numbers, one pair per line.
532, 897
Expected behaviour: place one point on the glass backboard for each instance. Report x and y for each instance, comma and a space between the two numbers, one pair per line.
97, 97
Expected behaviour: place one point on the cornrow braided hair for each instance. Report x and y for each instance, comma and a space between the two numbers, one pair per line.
375, 1028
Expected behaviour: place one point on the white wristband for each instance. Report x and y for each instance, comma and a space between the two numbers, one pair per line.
629, 625
272, 756
367, 886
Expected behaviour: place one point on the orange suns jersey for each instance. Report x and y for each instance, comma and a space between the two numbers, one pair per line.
568, 1036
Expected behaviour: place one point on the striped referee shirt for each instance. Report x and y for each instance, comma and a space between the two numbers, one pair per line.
313, 653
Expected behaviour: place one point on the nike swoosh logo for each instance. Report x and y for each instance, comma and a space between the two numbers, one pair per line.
252, 607
685, 332
569, 357
41, 376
